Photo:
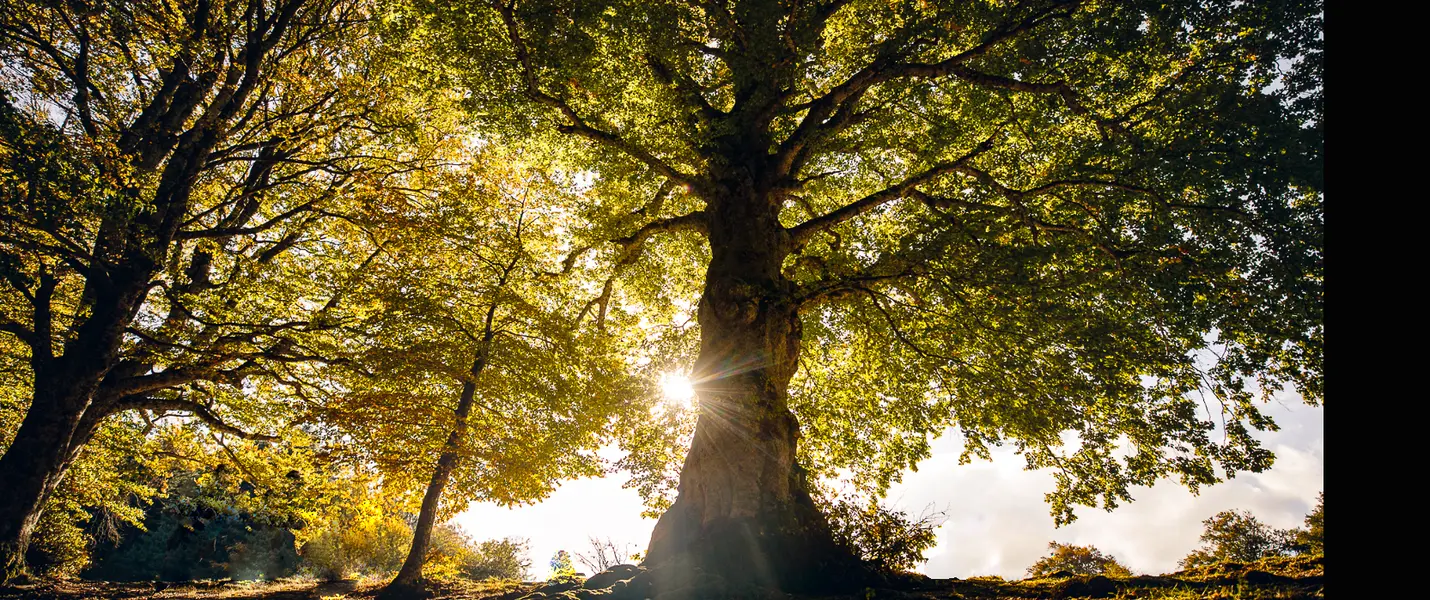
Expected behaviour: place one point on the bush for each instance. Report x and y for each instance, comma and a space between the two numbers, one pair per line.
364, 538
1078, 560
1238, 536
500, 559
889, 539
452, 554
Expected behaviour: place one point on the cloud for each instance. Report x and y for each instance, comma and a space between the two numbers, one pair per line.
998, 523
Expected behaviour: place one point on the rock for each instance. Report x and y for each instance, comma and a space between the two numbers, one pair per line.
1255, 577
552, 590
609, 577
1092, 587
635, 588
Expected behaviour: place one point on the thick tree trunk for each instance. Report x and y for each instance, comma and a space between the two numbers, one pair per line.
744, 513
36, 462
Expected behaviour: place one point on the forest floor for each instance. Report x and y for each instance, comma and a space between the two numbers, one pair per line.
1279, 579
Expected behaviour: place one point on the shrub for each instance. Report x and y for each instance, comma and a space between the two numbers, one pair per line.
1078, 560
889, 539
1238, 536
1311, 540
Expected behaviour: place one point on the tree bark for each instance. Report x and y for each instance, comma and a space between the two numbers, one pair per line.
47, 442
744, 512
410, 576
411, 573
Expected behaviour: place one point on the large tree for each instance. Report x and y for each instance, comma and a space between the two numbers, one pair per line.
169, 228
1018, 218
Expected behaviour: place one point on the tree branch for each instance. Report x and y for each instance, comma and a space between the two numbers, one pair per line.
881, 70
801, 233
194, 408
631, 244
578, 126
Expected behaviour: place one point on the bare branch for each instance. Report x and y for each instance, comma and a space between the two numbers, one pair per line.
198, 410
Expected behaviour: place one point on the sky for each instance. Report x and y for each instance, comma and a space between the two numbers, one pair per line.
997, 521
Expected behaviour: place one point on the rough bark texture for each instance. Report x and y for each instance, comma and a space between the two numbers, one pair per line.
31, 468
744, 513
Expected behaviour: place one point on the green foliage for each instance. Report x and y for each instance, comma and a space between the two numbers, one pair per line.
453, 554
1238, 536
1024, 220
221, 509
888, 539
1311, 539
463, 299
363, 534
1078, 560
500, 559
107, 490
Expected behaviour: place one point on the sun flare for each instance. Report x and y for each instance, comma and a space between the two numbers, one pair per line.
677, 389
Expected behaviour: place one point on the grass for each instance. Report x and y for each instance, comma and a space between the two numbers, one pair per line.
1292, 578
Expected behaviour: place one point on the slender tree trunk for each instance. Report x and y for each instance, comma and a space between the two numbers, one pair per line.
744, 512
410, 576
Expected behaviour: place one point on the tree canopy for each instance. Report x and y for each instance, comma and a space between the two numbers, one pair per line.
1077, 560
1016, 219
461, 242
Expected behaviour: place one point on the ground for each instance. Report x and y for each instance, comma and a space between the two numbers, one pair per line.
1279, 579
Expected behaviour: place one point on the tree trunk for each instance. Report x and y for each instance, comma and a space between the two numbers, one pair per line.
410, 576
744, 513
36, 462
411, 573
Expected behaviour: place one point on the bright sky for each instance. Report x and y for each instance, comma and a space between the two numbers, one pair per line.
998, 523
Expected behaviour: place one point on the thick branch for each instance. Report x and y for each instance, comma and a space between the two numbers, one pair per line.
631, 244
19, 331
233, 231
881, 70
1061, 88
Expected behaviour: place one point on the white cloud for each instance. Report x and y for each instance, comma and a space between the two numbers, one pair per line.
998, 522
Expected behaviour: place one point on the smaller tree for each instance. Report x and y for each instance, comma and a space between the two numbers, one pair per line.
1310, 540
506, 558
1238, 536
606, 554
1078, 560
